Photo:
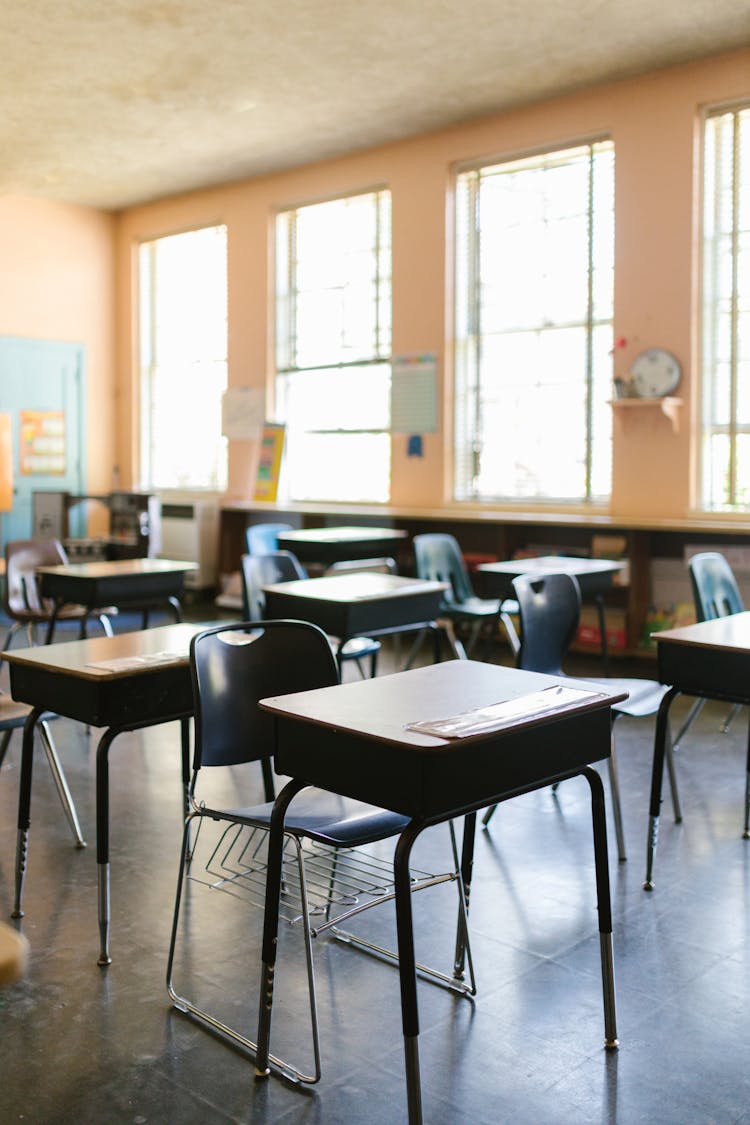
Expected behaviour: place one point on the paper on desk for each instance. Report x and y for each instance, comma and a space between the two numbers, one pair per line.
507, 713
131, 663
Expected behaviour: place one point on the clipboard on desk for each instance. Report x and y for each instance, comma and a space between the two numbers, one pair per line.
517, 711
269, 462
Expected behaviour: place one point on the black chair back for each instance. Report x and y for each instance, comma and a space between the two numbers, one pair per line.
549, 611
265, 570
715, 589
233, 666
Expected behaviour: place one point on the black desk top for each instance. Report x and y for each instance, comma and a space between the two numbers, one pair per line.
108, 681
354, 738
352, 604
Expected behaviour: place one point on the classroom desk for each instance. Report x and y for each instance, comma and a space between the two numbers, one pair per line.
138, 583
710, 660
354, 739
594, 577
148, 684
361, 604
335, 544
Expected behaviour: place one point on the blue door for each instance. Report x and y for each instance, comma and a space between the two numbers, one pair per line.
41, 387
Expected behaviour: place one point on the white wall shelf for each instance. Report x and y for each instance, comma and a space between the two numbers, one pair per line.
668, 405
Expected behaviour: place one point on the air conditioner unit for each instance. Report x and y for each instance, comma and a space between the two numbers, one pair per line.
190, 532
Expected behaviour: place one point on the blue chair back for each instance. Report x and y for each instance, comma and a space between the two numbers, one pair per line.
265, 570
261, 538
233, 666
715, 589
549, 610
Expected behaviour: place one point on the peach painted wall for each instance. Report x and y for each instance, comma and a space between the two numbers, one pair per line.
57, 283
653, 121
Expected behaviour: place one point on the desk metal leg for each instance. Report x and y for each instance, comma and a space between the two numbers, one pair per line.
408, 970
24, 807
746, 827
657, 773
603, 902
274, 874
102, 842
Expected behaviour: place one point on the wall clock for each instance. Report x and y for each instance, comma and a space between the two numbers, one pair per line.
655, 373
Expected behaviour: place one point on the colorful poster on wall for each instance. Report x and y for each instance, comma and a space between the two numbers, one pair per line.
6, 464
42, 443
269, 464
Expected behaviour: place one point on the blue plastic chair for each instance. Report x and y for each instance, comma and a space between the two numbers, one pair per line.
549, 610
262, 538
283, 566
438, 558
233, 667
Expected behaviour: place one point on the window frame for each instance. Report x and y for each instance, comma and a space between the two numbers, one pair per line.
709, 384
148, 361
286, 293
472, 340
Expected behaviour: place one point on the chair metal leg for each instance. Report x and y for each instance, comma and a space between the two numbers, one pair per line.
206, 1018
106, 625
616, 805
732, 715
672, 775
511, 633
458, 649
692, 715
4, 743
61, 783
661, 737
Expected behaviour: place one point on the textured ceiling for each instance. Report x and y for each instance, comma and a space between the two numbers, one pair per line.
117, 102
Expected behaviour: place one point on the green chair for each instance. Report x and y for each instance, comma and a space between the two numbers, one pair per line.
438, 558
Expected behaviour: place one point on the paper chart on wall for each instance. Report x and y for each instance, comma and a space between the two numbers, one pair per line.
414, 394
243, 413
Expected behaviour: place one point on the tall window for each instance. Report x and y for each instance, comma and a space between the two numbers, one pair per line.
725, 445
183, 354
534, 297
333, 347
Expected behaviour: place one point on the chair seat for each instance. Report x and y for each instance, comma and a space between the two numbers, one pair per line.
12, 714
644, 696
477, 608
70, 612
326, 817
357, 647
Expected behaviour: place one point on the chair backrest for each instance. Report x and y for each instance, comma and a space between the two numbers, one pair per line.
715, 589
438, 558
262, 538
22, 557
549, 610
265, 570
235, 665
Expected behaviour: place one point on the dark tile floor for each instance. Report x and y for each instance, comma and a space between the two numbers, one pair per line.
84, 1046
